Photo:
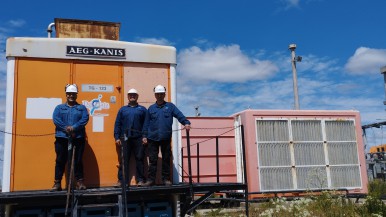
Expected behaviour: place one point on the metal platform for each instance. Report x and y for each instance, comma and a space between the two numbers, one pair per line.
110, 195
188, 194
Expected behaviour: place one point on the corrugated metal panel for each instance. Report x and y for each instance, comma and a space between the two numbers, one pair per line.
274, 154
311, 177
342, 153
272, 130
340, 131
309, 153
202, 136
345, 176
307, 130
276, 179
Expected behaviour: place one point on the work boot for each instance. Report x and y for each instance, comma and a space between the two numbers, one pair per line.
167, 183
57, 186
140, 183
118, 185
80, 185
148, 183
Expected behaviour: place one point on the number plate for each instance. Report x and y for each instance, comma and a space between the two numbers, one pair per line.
97, 88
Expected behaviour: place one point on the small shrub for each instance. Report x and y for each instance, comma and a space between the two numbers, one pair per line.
331, 204
377, 188
281, 207
326, 204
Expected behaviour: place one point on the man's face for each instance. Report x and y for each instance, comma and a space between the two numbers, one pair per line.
159, 96
71, 97
132, 97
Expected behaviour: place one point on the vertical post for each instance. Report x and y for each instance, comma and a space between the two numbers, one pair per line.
70, 172
217, 161
189, 157
124, 174
182, 163
245, 171
188, 199
383, 71
198, 162
292, 47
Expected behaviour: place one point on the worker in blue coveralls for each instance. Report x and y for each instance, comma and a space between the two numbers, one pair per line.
70, 119
128, 132
157, 133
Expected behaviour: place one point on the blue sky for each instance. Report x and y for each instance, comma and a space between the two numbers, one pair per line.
233, 55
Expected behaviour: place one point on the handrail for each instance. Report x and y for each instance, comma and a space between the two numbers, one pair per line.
245, 171
210, 192
189, 163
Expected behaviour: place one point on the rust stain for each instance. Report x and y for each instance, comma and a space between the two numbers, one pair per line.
71, 28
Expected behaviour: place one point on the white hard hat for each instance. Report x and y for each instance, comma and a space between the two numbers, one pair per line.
132, 90
159, 89
71, 88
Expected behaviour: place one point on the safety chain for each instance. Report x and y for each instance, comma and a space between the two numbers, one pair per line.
215, 128
50, 134
191, 128
233, 128
27, 135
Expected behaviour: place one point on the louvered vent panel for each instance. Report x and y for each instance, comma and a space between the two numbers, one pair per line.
276, 179
311, 177
307, 130
342, 153
340, 131
309, 154
274, 154
345, 176
272, 131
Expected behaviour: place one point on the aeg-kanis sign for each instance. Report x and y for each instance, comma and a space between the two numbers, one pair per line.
95, 52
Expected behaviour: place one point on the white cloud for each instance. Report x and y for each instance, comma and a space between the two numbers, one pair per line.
158, 41
6, 29
310, 63
317, 64
223, 64
207, 79
10, 26
224, 80
291, 3
366, 61
16, 23
286, 5
3, 64
3, 39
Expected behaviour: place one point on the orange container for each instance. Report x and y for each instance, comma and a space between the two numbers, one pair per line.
104, 70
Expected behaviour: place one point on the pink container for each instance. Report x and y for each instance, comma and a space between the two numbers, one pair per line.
286, 151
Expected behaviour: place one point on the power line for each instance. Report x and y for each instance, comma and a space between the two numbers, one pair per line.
376, 125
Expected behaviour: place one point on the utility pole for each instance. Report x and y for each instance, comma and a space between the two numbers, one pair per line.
198, 114
295, 59
383, 71
377, 124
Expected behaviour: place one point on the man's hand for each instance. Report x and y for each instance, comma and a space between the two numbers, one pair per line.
118, 142
144, 141
187, 127
69, 129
